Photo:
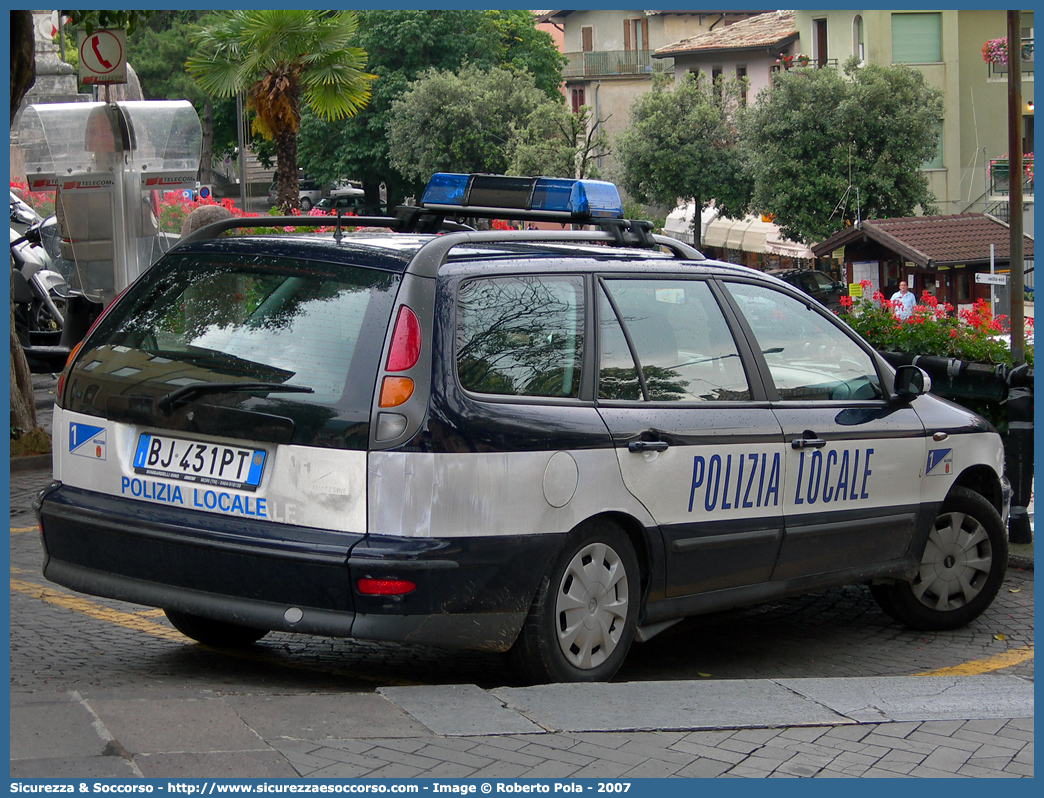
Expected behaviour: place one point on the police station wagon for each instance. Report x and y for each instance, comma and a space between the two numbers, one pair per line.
546, 443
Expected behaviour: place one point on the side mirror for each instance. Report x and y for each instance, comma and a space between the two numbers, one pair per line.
911, 381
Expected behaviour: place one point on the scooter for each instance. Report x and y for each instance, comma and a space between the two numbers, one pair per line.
40, 292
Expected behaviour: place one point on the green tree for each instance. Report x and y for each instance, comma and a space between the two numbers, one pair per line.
683, 143
281, 57
402, 44
459, 121
557, 143
826, 145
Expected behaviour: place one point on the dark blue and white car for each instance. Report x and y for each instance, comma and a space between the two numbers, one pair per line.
547, 443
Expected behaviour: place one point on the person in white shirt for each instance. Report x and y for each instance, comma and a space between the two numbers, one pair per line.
903, 301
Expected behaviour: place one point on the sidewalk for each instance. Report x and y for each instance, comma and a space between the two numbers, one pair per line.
920, 727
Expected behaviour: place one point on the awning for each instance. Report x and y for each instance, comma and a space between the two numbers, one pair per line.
749, 234
679, 222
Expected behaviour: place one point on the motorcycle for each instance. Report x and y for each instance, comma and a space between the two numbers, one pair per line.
39, 291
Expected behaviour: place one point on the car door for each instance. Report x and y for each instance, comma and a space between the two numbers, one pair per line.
853, 458
696, 441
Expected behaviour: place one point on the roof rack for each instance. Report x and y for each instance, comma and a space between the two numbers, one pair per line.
481, 196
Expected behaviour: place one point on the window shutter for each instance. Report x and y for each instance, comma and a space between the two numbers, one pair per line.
627, 34
587, 39
916, 38
645, 34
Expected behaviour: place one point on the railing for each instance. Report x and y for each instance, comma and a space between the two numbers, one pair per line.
607, 63
995, 69
1000, 177
814, 63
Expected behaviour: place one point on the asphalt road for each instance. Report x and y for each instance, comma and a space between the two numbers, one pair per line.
67, 641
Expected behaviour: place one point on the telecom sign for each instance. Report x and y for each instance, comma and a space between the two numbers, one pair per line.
103, 56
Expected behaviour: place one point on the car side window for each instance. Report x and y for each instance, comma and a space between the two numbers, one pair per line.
521, 336
809, 357
681, 339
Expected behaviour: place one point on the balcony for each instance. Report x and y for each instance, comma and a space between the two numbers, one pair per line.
614, 63
1000, 177
997, 70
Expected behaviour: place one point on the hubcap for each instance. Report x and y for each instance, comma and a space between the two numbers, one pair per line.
956, 563
591, 606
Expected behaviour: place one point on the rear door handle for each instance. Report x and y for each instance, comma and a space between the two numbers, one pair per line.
808, 443
648, 446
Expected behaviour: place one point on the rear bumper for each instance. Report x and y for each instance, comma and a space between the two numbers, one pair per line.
471, 593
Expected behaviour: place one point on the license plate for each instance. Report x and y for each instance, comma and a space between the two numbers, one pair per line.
203, 463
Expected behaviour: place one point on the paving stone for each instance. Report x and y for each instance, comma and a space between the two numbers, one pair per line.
758, 736
653, 752
549, 769
602, 769
500, 770
704, 768
444, 753
949, 742
975, 771
710, 752
1019, 768
804, 733
492, 751
652, 769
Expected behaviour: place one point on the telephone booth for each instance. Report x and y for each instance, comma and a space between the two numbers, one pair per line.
108, 164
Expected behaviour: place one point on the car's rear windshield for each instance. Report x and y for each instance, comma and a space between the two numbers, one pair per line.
188, 335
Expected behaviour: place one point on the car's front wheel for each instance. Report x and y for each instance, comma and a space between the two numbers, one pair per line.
213, 633
306, 204
582, 621
961, 570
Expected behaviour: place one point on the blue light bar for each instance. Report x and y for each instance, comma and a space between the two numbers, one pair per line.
526, 197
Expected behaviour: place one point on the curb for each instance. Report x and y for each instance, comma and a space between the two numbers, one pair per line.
30, 463
1020, 555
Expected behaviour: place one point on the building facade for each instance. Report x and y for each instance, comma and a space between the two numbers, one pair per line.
611, 60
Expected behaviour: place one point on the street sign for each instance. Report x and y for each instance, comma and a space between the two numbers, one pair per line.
103, 56
985, 278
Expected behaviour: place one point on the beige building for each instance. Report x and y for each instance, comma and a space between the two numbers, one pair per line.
946, 46
610, 56
750, 49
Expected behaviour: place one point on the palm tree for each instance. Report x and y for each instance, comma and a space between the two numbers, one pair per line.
276, 57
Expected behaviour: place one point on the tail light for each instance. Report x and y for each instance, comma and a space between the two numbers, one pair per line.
403, 354
405, 343
385, 587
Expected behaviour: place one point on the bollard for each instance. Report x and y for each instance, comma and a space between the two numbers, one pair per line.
1018, 454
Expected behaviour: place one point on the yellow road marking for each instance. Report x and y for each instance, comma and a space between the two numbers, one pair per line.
127, 620
136, 621
19, 529
1005, 659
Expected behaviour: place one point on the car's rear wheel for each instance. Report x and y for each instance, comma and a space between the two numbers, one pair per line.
961, 570
306, 204
213, 633
582, 620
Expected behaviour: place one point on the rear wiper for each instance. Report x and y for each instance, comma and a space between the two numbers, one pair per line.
169, 402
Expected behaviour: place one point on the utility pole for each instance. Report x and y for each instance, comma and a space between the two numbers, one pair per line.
1016, 284
1018, 463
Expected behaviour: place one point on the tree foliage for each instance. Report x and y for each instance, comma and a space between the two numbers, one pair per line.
825, 145
460, 121
557, 143
403, 44
683, 143
283, 59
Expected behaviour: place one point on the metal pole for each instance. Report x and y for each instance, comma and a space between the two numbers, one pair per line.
241, 145
1016, 284
993, 288
1019, 449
